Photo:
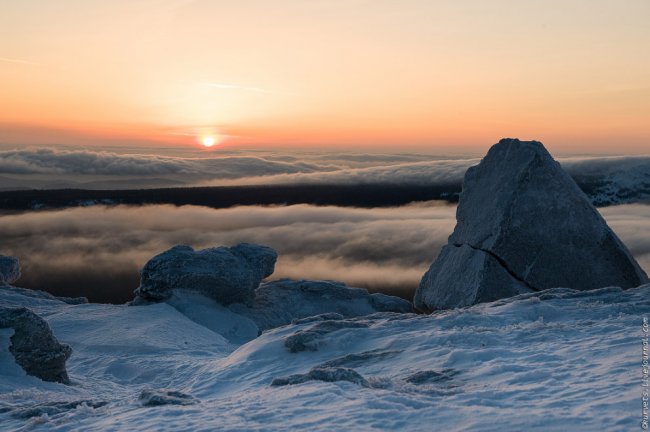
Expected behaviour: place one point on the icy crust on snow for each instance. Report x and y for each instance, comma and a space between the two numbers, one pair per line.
559, 359
523, 224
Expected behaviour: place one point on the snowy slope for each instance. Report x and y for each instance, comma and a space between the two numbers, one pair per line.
559, 360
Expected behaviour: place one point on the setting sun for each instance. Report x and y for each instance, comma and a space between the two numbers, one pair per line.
208, 141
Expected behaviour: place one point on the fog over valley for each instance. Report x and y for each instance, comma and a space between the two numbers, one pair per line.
97, 251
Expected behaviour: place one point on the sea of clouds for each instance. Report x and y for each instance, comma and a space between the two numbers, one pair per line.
64, 168
98, 251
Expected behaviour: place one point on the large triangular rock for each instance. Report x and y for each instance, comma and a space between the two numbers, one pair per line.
524, 225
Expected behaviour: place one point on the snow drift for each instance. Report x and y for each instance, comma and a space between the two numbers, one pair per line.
561, 359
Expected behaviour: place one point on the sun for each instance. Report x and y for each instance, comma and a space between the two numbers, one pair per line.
208, 141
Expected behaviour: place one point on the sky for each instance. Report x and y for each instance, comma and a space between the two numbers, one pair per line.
424, 75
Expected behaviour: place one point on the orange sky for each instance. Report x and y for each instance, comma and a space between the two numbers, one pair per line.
399, 75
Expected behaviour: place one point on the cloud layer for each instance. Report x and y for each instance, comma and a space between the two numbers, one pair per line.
606, 179
97, 251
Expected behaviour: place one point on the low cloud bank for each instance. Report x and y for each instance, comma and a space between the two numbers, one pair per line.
609, 180
97, 251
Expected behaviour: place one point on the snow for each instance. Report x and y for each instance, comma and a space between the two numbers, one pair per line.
555, 360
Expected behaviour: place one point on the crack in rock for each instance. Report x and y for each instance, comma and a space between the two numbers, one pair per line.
501, 262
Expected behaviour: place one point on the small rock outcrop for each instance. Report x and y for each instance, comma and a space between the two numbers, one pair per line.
524, 225
34, 346
9, 269
310, 338
51, 409
283, 301
225, 274
159, 397
43, 295
323, 374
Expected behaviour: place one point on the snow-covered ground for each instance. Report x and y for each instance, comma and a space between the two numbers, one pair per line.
557, 360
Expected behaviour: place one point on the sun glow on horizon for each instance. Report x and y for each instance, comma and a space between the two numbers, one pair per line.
420, 75
208, 141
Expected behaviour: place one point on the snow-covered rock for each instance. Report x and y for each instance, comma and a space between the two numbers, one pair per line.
524, 225
283, 301
9, 269
312, 337
151, 397
323, 374
38, 294
226, 274
34, 346
10, 272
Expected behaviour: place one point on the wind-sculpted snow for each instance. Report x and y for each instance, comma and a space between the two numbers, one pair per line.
524, 225
555, 360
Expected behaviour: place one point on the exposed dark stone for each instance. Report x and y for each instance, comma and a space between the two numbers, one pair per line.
52, 408
166, 397
326, 374
9, 269
34, 346
523, 225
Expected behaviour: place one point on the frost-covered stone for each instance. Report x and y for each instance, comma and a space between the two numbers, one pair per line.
524, 225
34, 346
51, 409
323, 374
431, 376
9, 269
166, 397
310, 338
43, 295
280, 302
360, 359
226, 274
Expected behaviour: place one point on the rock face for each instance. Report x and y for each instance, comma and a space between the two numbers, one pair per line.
9, 270
227, 275
523, 225
34, 346
283, 301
